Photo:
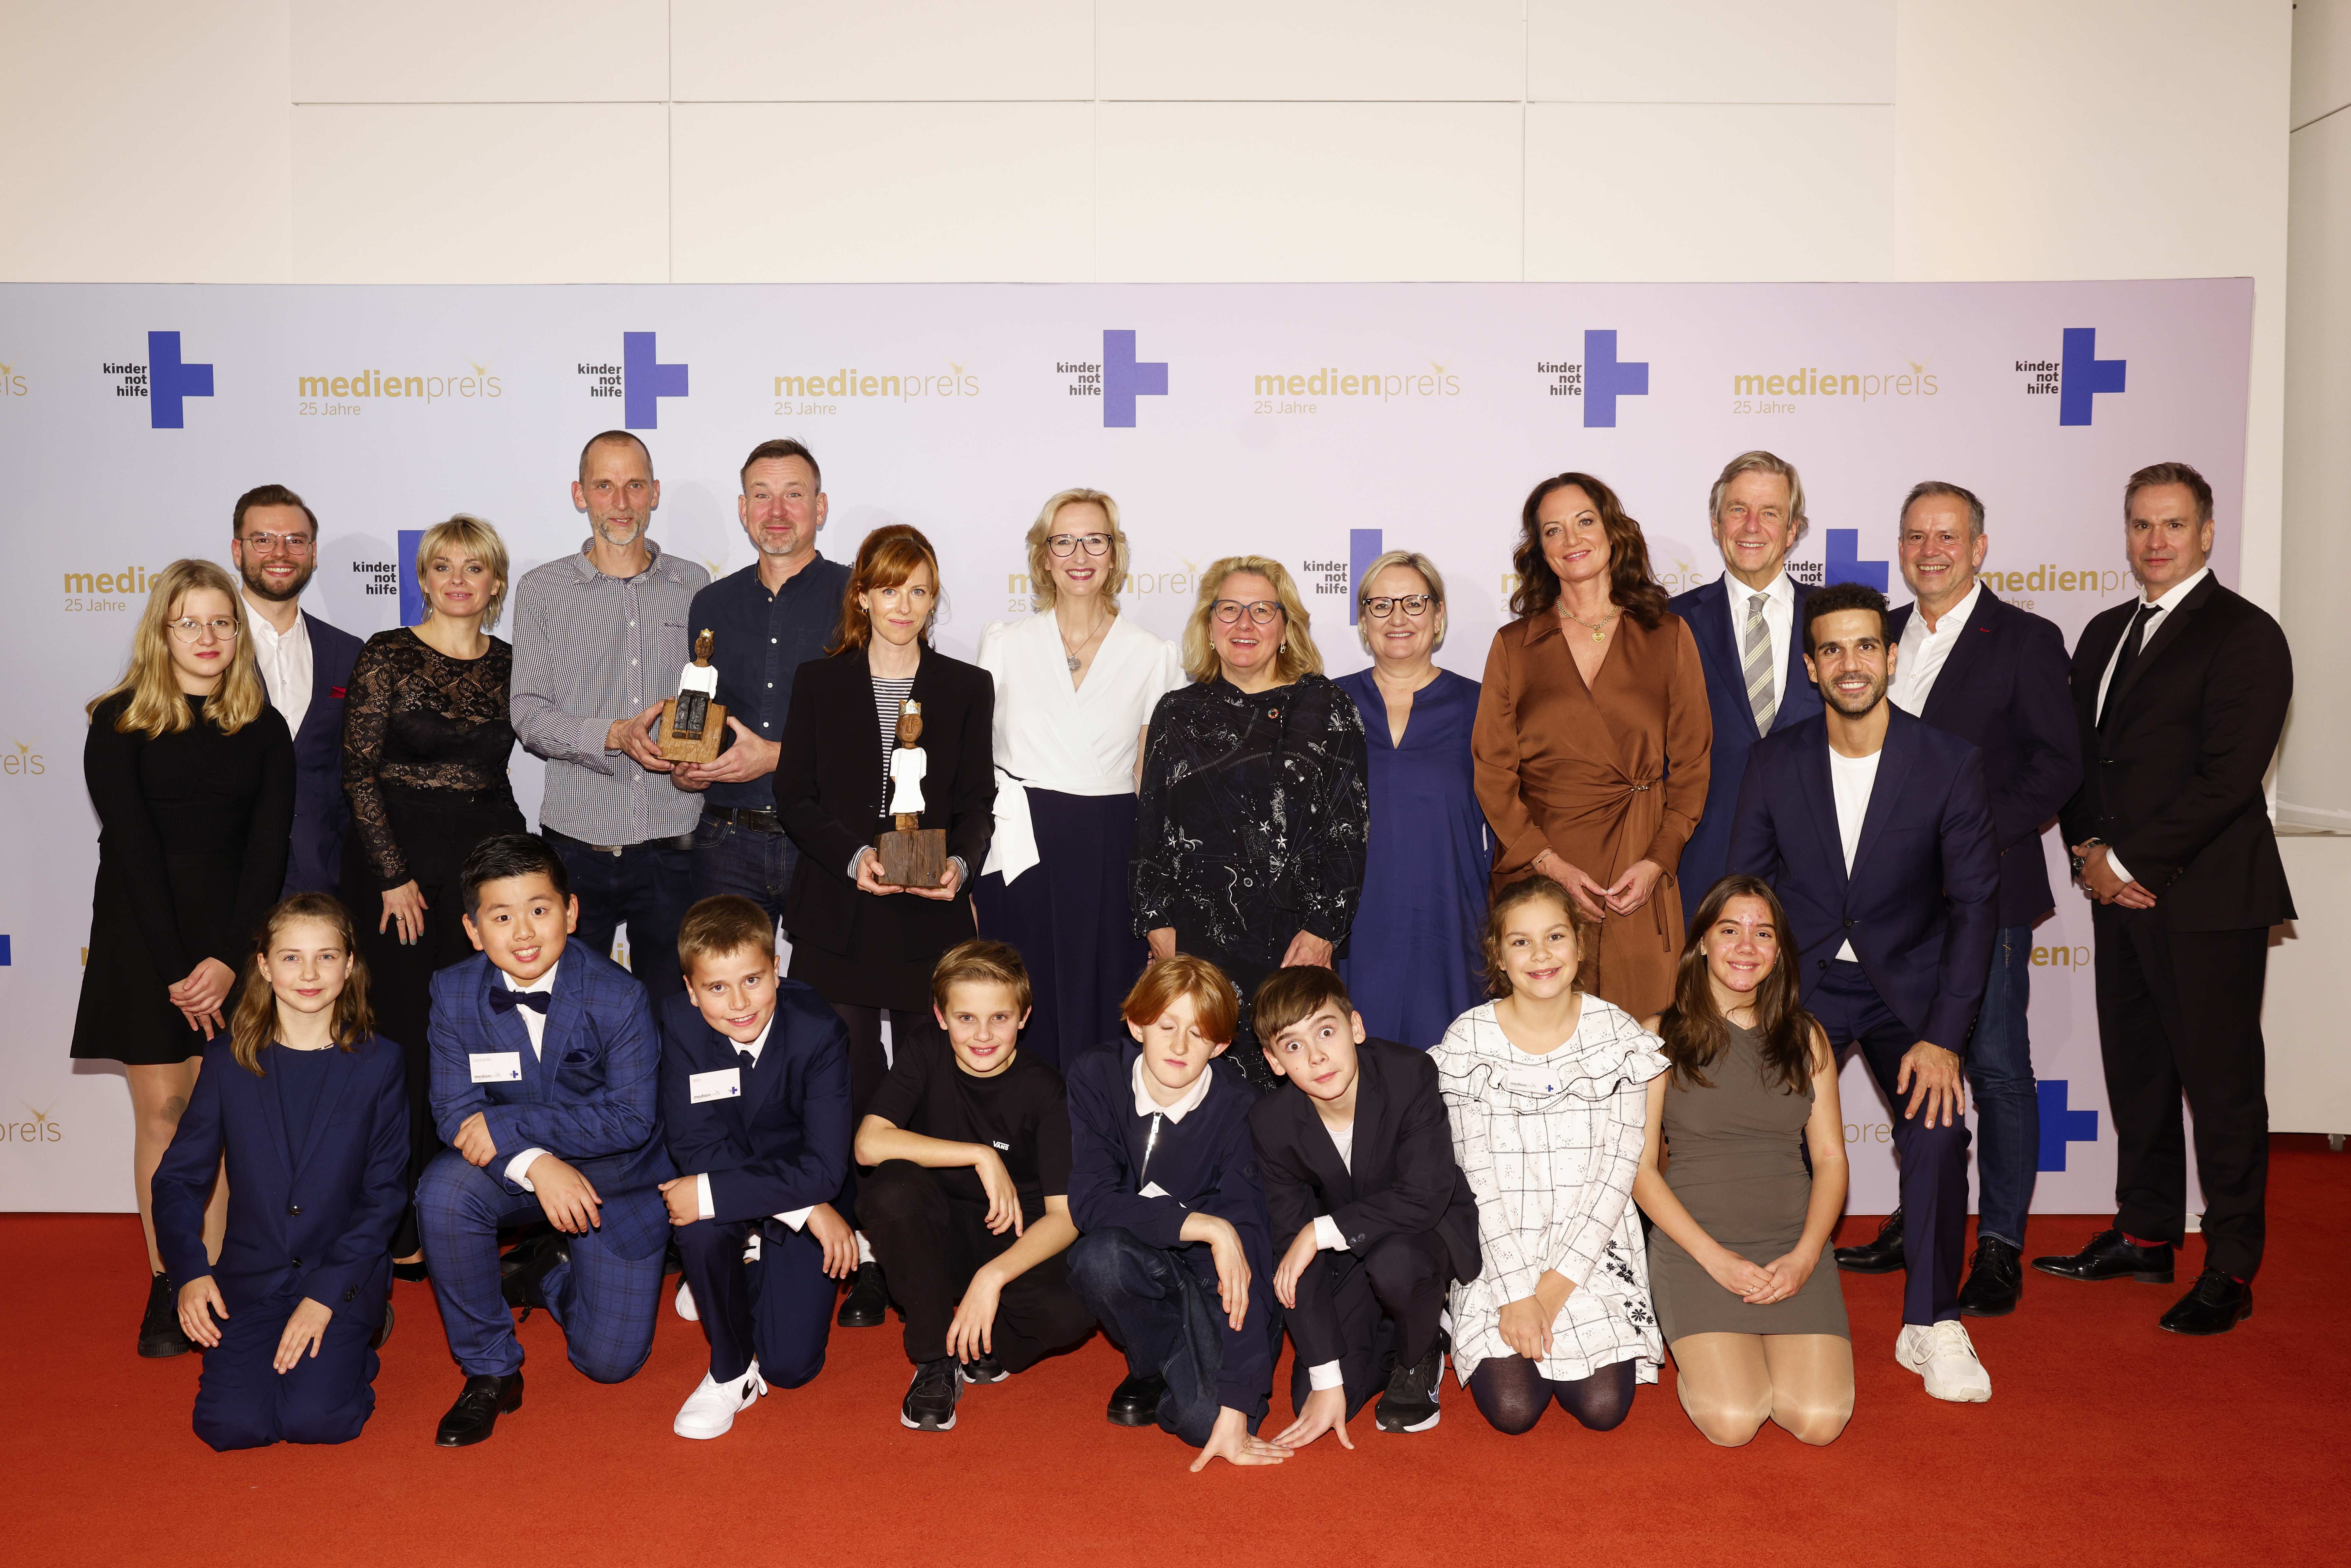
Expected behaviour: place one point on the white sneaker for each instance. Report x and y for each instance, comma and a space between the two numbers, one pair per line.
1946, 1358
711, 1409
685, 1308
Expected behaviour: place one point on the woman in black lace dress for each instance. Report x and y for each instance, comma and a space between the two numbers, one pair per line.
1254, 808
425, 741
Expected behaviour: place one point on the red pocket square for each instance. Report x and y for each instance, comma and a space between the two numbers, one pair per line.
335, 693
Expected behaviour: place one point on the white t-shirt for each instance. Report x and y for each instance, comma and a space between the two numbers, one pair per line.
1852, 778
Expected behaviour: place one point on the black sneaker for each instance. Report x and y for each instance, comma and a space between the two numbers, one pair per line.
159, 1334
867, 1302
987, 1369
930, 1403
1410, 1403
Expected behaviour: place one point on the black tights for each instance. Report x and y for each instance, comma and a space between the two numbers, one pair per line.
1512, 1392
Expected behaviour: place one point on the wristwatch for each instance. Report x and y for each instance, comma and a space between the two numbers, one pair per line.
2077, 859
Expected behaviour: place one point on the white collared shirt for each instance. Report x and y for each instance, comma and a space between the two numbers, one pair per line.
285, 660
1779, 623
535, 1023
1921, 655
2165, 603
1144, 1105
796, 1217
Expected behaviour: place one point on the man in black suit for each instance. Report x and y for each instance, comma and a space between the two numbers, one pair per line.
2180, 696
1365, 1196
304, 664
1994, 675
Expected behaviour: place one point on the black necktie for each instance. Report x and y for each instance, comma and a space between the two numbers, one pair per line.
505, 999
2122, 662
750, 1059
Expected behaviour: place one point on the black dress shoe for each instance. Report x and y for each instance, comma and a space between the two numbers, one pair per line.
522, 1272
1995, 1281
159, 1334
412, 1272
2214, 1304
475, 1415
1135, 1402
867, 1306
2112, 1255
1883, 1255
382, 1330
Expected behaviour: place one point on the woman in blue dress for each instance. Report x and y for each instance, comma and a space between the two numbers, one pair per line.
1413, 964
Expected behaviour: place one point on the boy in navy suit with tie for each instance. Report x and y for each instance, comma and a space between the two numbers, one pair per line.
544, 1069
754, 1105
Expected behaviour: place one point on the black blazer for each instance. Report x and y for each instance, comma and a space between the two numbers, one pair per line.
2005, 688
783, 1142
314, 859
833, 791
1404, 1180
2175, 782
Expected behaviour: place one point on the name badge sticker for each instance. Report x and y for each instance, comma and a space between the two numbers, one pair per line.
726, 1083
1532, 1080
495, 1066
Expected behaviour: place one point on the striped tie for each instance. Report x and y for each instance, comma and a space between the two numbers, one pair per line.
1759, 666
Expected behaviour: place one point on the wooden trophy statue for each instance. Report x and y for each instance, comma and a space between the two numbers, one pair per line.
692, 724
912, 855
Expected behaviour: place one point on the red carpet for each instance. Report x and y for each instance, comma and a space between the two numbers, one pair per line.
2106, 1442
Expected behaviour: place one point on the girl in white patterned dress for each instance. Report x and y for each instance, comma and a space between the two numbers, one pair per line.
1544, 1088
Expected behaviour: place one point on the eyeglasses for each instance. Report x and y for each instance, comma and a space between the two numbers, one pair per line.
1262, 612
1413, 604
1066, 544
188, 629
292, 544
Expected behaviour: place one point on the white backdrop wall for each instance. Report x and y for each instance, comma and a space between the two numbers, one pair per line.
1318, 425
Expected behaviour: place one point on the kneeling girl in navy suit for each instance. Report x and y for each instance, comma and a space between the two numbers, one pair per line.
308, 1105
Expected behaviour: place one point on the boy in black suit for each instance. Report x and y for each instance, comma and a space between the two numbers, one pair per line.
966, 1204
755, 1103
1360, 1175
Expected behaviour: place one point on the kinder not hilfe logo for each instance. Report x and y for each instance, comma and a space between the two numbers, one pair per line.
2075, 377
640, 380
1597, 380
164, 379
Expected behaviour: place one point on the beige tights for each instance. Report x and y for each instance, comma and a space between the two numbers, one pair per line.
1732, 1383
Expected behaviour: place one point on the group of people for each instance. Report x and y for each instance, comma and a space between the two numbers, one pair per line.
1381, 1009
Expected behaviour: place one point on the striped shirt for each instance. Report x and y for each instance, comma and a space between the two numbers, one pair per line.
890, 698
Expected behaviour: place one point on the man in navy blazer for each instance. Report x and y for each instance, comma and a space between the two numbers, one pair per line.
304, 664
544, 1086
1999, 677
1746, 624
1875, 830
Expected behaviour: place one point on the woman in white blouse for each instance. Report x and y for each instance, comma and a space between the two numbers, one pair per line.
1075, 685
1544, 1088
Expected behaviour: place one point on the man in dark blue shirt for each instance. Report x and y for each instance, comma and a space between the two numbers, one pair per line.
765, 621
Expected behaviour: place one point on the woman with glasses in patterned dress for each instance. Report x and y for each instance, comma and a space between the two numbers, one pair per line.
192, 772
1075, 685
1250, 823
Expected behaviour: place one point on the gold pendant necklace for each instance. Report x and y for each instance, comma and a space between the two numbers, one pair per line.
1599, 633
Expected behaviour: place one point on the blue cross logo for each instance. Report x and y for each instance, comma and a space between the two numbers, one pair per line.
6, 959
1364, 547
645, 380
412, 593
1126, 378
1844, 563
2082, 375
2060, 1126
169, 381
1606, 378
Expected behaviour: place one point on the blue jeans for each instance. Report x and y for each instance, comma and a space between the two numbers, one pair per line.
728, 859
646, 887
2008, 1101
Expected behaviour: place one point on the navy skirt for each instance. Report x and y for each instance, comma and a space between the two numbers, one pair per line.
1068, 916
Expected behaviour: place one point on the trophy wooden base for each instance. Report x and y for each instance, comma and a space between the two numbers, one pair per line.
916, 858
702, 747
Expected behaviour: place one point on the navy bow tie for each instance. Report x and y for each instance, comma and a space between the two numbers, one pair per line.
505, 999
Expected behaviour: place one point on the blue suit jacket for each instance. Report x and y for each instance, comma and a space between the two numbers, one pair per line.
783, 1144
314, 859
1918, 906
318, 1218
1706, 855
590, 1098
2007, 687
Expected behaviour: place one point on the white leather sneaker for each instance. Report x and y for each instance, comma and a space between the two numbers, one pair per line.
685, 1308
711, 1409
1946, 1358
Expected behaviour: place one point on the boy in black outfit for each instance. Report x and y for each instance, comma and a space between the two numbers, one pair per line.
966, 1206
1361, 1185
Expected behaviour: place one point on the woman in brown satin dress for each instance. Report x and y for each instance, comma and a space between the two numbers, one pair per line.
1592, 733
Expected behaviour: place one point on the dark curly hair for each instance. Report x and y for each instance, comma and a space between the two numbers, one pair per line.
1632, 587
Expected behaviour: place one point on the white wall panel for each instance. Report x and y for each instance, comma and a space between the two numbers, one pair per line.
2322, 59
1701, 191
869, 192
481, 194
1426, 51
467, 51
1711, 51
762, 51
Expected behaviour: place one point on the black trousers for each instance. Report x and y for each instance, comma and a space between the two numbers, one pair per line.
867, 1069
776, 1308
1388, 1302
930, 1245
2179, 1012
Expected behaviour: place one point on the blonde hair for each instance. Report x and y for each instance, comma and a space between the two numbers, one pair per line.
1297, 654
157, 705
1419, 563
1759, 462
466, 535
254, 1021
1042, 589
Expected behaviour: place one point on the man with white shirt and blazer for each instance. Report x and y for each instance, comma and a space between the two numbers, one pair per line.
1748, 624
1997, 676
2180, 696
304, 664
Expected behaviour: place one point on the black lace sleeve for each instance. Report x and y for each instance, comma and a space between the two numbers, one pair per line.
366, 711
